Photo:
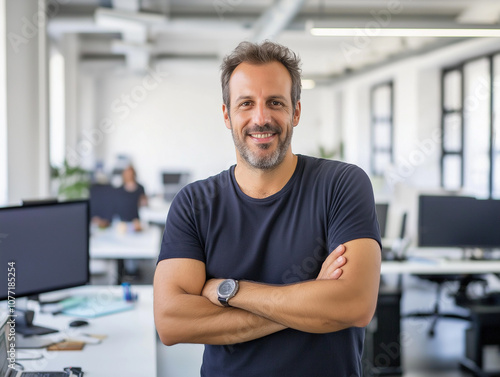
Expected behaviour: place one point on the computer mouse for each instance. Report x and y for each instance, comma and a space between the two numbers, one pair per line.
78, 323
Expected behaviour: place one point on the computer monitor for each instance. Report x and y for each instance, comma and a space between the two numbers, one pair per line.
172, 178
102, 201
382, 209
127, 205
48, 246
458, 221
173, 182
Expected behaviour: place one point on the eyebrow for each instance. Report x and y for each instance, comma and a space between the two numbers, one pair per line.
275, 96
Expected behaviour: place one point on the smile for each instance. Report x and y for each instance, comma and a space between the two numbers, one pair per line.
262, 136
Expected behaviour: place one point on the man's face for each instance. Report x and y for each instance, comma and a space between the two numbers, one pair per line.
261, 117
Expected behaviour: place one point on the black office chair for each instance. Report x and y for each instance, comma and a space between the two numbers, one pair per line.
440, 281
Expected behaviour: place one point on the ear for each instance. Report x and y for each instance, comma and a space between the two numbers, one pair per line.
296, 114
227, 120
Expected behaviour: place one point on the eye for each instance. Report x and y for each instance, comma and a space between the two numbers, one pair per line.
245, 104
276, 103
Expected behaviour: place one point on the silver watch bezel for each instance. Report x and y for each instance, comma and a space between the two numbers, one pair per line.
224, 298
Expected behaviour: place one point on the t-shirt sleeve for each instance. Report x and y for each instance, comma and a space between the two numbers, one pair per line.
141, 190
352, 212
181, 238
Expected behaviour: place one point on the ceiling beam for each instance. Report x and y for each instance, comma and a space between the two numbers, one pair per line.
275, 19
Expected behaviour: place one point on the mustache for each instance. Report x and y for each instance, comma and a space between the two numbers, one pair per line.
266, 128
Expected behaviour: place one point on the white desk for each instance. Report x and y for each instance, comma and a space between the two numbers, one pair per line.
128, 351
119, 243
439, 261
156, 212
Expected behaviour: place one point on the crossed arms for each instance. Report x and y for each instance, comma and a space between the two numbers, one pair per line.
343, 295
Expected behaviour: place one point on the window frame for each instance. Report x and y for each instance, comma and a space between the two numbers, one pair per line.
374, 120
494, 150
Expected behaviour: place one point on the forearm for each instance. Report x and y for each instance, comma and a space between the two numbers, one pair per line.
317, 306
194, 319
330, 303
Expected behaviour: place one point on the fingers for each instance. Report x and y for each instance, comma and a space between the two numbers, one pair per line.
334, 271
332, 266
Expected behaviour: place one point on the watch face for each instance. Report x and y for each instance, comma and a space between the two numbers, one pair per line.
226, 288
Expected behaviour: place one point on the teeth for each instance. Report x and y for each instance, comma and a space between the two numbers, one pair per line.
261, 136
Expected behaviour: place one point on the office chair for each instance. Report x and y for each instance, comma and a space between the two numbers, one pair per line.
440, 281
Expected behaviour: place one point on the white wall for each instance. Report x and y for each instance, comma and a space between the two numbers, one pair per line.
172, 119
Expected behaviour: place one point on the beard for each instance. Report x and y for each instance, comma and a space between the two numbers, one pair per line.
269, 160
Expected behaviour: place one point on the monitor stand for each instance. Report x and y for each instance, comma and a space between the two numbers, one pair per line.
25, 326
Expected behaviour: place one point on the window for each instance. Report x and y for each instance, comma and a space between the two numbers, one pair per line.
470, 157
452, 129
495, 140
381, 119
57, 105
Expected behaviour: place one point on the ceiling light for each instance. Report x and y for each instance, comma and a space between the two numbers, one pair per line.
404, 32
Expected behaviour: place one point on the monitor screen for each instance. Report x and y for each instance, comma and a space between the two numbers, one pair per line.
381, 209
49, 244
458, 221
102, 201
172, 178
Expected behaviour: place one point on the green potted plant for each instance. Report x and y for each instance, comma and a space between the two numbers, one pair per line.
73, 182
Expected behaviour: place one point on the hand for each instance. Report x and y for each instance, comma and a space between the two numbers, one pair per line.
210, 291
332, 266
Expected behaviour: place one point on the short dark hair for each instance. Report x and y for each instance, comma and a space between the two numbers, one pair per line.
265, 52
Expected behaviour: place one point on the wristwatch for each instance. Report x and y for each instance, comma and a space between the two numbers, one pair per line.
226, 290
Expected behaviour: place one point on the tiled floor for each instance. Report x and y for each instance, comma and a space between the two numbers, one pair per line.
422, 356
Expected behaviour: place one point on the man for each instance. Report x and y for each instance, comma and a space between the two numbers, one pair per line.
252, 262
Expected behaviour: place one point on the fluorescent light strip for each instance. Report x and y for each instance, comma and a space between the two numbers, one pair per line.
403, 32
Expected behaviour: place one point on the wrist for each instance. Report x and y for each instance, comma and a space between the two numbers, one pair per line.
226, 290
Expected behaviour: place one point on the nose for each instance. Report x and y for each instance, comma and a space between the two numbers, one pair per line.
261, 114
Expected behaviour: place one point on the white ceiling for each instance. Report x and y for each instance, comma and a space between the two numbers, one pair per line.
208, 29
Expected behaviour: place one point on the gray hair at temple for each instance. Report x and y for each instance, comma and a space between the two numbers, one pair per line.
265, 52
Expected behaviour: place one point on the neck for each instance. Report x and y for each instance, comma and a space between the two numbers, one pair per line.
259, 183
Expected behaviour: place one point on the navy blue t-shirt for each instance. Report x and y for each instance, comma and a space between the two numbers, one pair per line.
281, 239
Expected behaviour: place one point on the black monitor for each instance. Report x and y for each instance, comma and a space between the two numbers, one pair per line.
127, 205
172, 178
102, 201
48, 246
172, 183
107, 201
458, 221
382, 209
